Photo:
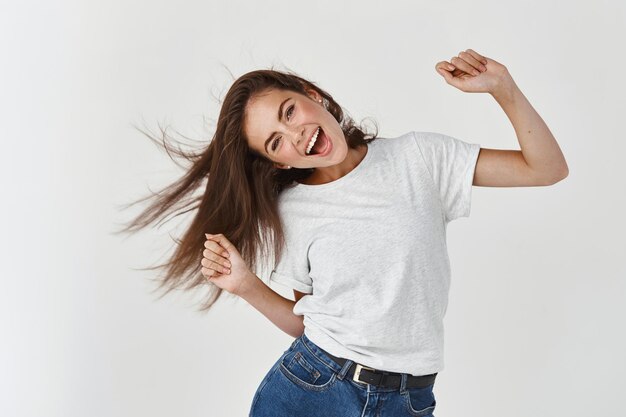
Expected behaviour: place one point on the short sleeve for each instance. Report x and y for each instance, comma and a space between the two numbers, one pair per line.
293, 267
451, 163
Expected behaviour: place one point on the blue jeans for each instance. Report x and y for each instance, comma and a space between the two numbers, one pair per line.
306, 382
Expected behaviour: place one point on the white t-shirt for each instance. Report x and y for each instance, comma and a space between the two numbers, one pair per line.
370, 249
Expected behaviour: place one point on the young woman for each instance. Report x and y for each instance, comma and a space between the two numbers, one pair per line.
358, 225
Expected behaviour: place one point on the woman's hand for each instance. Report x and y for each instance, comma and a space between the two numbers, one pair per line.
474, 73
223, 266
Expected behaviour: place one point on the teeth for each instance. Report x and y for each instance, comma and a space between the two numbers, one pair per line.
312, 142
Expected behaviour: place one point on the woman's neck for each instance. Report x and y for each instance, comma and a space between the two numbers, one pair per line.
325, 175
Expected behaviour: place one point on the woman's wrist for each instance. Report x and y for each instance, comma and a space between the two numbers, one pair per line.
248, 285
505, 90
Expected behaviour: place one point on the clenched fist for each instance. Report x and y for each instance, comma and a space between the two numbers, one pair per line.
223, 266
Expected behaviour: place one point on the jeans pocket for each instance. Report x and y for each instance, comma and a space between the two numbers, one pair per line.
420, 402
306, 370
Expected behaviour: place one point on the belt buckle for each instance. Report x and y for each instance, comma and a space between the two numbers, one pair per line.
357, 373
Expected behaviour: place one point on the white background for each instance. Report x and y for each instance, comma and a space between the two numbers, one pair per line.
535, 321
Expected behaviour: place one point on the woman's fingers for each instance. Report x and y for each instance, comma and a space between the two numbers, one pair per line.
444, 73
475, 63
209, 273
444, 65
447, 76
212, 256
221, 239
463, 65
477, 56
470, 62
209, 264
445, 68
216, 247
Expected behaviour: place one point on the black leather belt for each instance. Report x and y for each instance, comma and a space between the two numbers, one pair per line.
381, 378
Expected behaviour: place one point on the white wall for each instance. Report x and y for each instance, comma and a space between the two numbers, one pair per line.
533, 326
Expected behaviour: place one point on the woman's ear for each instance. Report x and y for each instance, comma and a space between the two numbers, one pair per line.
314, 95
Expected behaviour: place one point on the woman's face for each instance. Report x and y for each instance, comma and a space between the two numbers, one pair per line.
279, 125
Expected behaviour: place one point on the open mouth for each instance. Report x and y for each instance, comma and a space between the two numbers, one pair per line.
322, 145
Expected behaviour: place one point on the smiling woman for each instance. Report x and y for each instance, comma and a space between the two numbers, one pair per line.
302, 135
258, 150
357, 226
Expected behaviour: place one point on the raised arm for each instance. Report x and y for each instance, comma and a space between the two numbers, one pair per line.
540, 160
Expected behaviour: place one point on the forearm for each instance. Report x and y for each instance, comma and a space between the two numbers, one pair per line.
538, 145
278, 309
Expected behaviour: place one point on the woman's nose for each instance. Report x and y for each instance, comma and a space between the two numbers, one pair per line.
299, 137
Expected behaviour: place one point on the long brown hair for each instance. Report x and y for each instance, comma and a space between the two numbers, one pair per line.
240, 186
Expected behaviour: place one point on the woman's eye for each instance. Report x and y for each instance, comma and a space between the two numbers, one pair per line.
274, 144
276, 141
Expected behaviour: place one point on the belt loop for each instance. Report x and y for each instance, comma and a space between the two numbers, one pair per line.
403, 378
344, 369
